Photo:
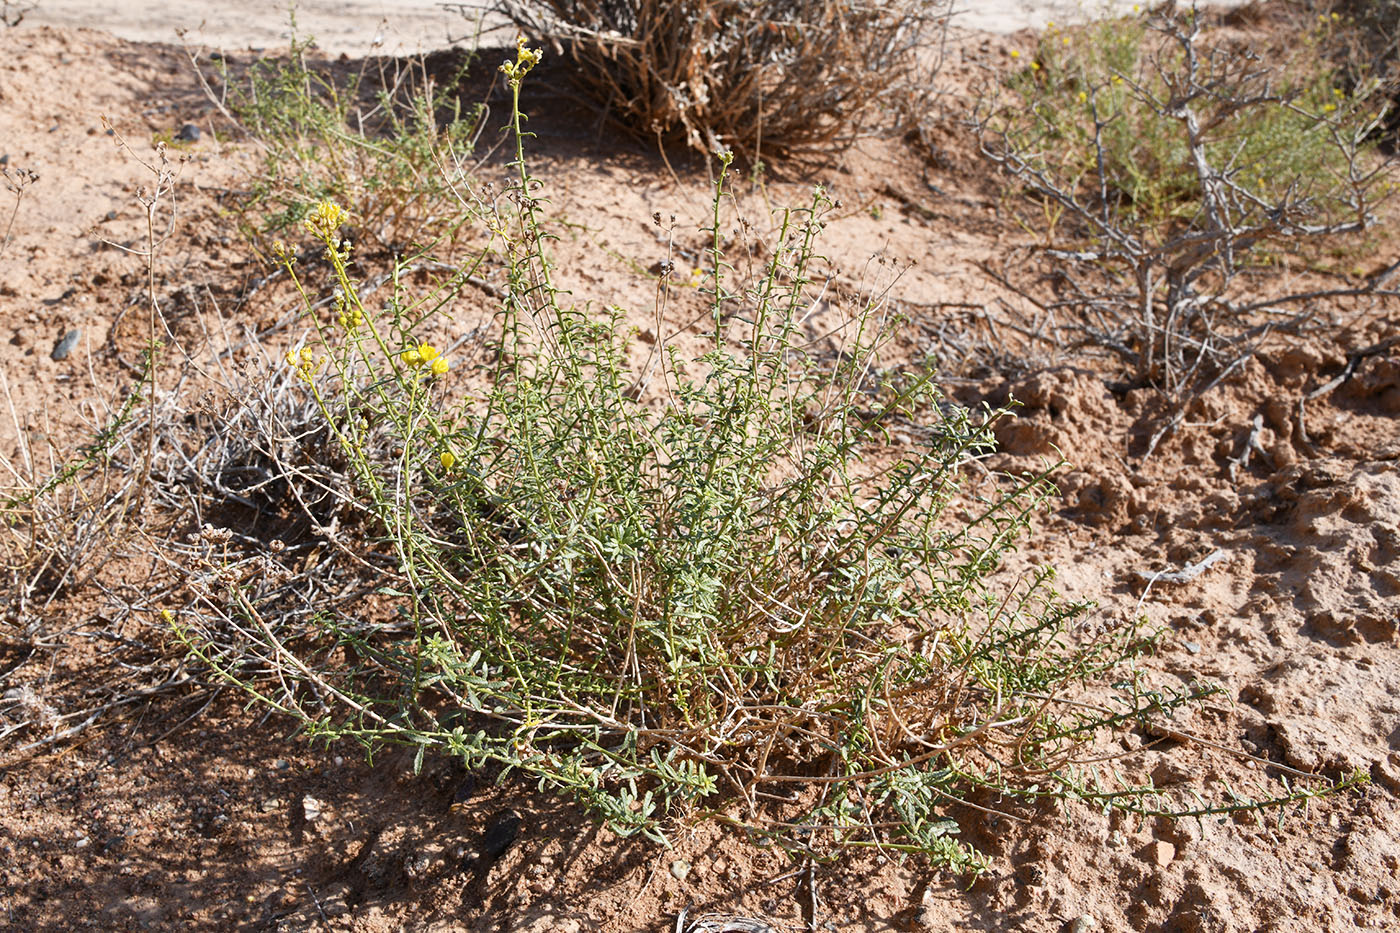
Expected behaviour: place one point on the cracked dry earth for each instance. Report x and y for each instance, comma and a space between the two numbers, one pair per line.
192, 811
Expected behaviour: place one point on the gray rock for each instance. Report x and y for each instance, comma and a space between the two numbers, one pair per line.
189, 133
65, 345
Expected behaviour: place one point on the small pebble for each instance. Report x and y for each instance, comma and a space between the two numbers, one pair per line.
281, 764
1083, 924
81, 842
189, 133
1159, 853
66, 345
679, 869
312, 808
1193, 647
5, 159
270, 804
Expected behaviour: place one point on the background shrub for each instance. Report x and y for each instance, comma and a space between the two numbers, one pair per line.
390, 141
777, 78
1166, 158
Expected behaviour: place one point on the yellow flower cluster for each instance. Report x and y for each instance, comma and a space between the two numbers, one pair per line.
525, 59
425, 355
348, 317
325, 219
305, 363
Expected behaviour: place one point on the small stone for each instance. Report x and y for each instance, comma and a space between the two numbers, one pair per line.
81, 842
1083, 924
189, 133
270, 804
1192, 646
679, 869
66, 345
1158, 853
312, 808
5, 159
281, 764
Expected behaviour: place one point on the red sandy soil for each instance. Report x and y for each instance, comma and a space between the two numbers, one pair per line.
193, 811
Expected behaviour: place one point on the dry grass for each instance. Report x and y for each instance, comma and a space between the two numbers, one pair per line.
775, 79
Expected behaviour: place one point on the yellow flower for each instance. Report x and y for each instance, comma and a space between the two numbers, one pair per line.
447, 458
425, 354
1083, 97
325, 219
525, 59
1015, 53
167, 616
305, 362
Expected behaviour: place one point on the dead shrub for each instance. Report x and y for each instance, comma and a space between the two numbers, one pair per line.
785, 79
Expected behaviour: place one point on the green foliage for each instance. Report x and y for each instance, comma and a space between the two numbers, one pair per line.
703, 587
1096, 109
393, 151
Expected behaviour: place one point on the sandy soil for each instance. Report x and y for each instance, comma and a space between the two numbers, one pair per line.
407, 26
189, 811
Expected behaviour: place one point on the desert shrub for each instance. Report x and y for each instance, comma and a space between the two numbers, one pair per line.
1368, 31
1166, 160
657, 588
390, 141
1096, 109
782, 78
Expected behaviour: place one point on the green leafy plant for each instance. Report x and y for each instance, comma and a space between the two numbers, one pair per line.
396, 151
704, 588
